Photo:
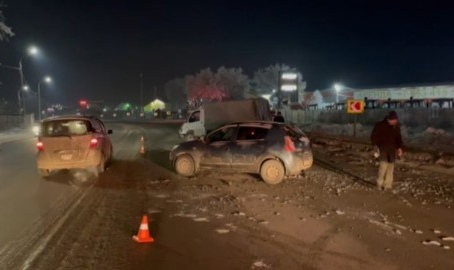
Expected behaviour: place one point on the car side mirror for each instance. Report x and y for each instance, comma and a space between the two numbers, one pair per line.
109, 131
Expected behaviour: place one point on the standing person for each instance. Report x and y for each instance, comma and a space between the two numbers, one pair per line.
278, 117
387, 139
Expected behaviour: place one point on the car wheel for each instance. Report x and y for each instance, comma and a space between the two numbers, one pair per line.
101, 167
185, 165
272, 172
109, 160
44, 173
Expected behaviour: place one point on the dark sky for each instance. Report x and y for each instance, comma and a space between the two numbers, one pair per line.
96, 49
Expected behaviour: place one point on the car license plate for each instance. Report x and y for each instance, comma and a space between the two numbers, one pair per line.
66, 156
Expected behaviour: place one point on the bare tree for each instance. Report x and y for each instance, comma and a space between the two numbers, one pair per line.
202, 87
5, 30
234, 82
266, 79
225, 84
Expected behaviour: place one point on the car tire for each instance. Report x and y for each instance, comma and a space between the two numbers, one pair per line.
110, 159
185, 165
101, 167
44, 173
272, 172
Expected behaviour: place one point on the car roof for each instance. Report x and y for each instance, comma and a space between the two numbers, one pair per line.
255, 123
71, 117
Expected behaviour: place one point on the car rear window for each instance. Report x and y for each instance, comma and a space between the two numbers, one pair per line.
293, 132
251, 133
67, 127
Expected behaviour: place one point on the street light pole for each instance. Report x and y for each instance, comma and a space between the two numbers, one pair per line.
47, 79
25, 88
39, 100
19, 92
31, 51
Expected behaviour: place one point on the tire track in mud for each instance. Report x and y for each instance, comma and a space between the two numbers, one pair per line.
33, 241
103, 237
318, 248
322, 161
55, 250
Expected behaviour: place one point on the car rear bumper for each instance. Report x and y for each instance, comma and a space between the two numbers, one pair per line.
300, 162
44, 162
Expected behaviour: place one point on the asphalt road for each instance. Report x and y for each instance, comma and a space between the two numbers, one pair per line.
213, 221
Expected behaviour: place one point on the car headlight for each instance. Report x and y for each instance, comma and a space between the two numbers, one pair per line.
36, 130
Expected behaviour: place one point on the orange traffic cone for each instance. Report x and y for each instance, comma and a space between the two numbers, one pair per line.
143, 236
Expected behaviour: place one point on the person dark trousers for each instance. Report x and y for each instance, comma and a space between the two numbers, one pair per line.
279, 118
387, 140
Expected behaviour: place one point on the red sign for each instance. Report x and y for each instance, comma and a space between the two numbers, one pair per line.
83, 103
355, 106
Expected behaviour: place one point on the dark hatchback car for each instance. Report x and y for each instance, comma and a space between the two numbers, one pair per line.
273, 150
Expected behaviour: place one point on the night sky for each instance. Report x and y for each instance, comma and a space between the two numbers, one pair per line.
97, 49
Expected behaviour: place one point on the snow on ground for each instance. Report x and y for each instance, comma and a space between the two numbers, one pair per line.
427, 137
317, 206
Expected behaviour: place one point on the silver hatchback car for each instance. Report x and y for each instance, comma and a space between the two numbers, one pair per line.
273, 150
73, 142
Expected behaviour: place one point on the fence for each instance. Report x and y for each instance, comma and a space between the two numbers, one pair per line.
411, 117
8, 121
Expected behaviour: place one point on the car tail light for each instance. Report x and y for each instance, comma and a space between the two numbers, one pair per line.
289, 145
93, 143
40, 146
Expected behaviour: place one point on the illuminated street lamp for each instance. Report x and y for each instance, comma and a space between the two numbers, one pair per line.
24, 88
32, 50
46, 79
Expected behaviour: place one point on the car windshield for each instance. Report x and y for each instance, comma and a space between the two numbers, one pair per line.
222, 134
72, 127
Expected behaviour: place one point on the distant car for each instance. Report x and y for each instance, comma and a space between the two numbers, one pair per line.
73, 142
273, 150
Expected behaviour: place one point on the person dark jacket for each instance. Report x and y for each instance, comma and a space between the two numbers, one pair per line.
387, 138
279, 118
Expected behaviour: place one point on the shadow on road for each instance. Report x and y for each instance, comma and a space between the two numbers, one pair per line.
160, 157
79, 177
